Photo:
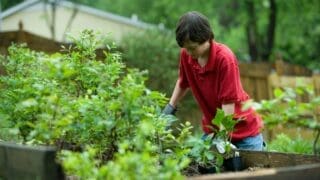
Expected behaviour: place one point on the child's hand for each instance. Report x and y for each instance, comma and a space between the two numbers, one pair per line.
169, 110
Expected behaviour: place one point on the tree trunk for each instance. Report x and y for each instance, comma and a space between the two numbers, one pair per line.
271, 31
260, 49
252, 31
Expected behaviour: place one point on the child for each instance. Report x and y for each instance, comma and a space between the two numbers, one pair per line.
211, 71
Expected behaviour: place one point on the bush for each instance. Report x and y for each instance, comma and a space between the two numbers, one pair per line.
75, 102
157, 52
100, 115
283, 143
291, 112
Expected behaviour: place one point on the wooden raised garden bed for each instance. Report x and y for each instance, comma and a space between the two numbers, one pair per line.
25, 162
271, 166
19, 162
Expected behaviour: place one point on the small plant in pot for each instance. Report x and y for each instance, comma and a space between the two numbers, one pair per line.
221, 141
206, 160
213, 152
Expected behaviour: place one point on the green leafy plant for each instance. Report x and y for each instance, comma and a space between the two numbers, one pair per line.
203, 155
99, 114
225, 124
287, 110
211, 150
161, 62
283, 143
162, 52
95, 106
138, 158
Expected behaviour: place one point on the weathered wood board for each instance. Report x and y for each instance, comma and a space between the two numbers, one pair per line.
275, 159
272, 166
20, 162
303, 172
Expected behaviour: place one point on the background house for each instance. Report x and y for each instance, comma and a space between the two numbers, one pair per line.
54, 19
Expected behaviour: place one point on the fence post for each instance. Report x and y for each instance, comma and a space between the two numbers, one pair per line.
273, 81
316, 83
279, 66
21, 38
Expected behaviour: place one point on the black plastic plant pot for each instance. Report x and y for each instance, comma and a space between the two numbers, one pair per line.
233, 164
206, 170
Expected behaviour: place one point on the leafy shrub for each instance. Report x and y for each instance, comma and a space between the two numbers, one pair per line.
157, 52
283, 143
99, 113
99, 107
139, 159
285, 109
71, 97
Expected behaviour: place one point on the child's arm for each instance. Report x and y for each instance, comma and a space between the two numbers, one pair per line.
228, 108
178, 94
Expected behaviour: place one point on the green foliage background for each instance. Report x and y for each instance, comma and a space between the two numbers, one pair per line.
296, 37
157, 52
297, 24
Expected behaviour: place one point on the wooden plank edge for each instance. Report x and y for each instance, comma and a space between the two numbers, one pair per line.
310, 171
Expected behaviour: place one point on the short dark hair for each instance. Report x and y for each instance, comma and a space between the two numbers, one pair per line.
193, 26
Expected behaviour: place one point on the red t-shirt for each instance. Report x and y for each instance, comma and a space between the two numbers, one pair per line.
217, 83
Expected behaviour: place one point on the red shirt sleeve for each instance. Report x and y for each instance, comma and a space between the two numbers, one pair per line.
182, 72
231, 90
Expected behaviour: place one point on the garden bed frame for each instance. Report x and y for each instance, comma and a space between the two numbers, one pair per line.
272, 166
21, 162
38, 162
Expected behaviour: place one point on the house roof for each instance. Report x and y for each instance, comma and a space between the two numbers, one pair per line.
64, 3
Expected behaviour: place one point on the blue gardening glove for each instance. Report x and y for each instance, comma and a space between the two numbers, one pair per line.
169, 110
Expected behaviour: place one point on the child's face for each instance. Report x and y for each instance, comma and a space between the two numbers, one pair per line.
195, 49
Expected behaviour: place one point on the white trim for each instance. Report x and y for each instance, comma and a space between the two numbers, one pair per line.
107, 15
87, 9
17, 8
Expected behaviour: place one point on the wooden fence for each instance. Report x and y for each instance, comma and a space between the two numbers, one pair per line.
254, 78
33, 41
260, 79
